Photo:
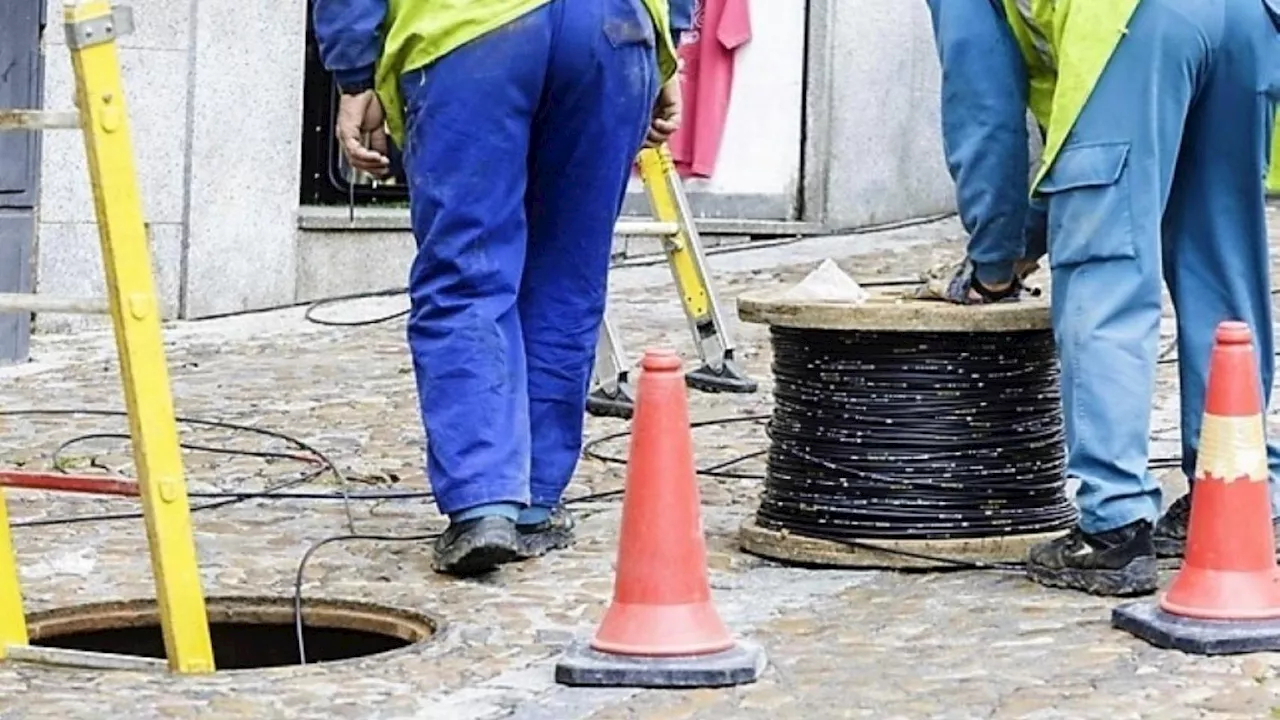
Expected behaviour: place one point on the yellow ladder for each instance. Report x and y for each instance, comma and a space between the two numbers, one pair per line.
610, 390
91, 31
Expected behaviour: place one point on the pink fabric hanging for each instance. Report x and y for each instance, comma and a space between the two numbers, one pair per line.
720, 27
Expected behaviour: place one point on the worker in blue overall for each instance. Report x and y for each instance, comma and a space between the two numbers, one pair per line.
1157, 119
519, 122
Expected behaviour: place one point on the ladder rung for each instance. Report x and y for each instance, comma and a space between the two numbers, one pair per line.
646, 228
29, 302
39, 120
82, 658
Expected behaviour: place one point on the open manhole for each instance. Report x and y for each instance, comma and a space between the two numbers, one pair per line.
247, 633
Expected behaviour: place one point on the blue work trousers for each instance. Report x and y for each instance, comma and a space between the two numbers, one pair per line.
984, 134
518, 150
1161, 178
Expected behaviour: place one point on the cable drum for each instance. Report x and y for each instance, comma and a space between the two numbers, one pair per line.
915, 435
908, 434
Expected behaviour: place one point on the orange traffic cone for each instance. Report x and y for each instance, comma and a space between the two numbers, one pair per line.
661, 629
1229, 571
1226, 597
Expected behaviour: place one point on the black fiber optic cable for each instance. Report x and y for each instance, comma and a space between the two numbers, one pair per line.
915, 435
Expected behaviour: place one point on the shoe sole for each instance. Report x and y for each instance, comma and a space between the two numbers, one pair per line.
1139, 577
491, 543
534, 545
478, 561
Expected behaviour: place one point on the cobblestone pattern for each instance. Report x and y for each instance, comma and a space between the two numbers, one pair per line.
842, 644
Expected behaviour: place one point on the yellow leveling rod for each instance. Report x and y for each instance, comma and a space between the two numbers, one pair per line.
91, 31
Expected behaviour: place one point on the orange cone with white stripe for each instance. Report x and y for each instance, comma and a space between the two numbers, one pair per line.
1229, 570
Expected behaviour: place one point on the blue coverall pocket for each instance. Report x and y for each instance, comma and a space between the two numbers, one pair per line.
1090, 218
627, 22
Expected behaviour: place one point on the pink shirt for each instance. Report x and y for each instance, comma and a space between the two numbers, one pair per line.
720, 27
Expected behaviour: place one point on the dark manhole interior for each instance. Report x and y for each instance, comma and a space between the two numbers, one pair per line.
247, 633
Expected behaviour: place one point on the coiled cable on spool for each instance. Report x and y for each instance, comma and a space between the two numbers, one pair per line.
915, 435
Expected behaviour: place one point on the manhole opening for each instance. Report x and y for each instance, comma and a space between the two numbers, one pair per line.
247, 633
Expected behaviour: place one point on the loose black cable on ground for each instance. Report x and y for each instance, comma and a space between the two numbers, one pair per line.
310, 314
325, 465
378, 496
426, 537
273, 491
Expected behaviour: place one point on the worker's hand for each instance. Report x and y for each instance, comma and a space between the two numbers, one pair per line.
358, 115
666, 114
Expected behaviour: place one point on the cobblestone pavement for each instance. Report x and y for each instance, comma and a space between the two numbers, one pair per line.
842, 644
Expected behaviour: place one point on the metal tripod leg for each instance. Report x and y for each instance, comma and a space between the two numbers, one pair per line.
613, 395
719, 372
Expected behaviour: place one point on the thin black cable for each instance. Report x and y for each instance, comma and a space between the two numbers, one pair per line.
306, 557
327, 465
589, 449
915, 435
261, 494
310, 314
302, 567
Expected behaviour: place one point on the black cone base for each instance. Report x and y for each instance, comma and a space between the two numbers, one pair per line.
1148, 622
740, 665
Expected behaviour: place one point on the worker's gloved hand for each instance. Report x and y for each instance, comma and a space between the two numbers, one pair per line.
956, 283
362, 134
666, 114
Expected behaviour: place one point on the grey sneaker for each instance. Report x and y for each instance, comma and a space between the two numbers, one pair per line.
554, 533
1170, 537
475, 547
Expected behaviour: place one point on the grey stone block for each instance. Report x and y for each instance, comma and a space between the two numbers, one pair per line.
337, 263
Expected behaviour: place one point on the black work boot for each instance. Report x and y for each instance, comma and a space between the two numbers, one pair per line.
474, 547
554, 533
1120, 562
1170, 537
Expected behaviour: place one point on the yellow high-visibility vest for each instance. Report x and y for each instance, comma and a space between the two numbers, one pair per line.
1062, 81
418, 32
